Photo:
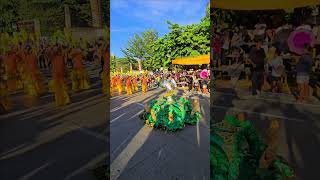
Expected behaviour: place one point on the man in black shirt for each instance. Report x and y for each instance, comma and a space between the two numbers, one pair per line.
257, 57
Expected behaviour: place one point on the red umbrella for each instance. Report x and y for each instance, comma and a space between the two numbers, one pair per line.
298, 38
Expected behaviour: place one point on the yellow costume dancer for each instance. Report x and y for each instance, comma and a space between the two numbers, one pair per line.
129, 86
112, 85
119, 85
144, 84
32, 78
135, 84
5, 103
10, 61
21, 66
57, 85
80, 79
104, 80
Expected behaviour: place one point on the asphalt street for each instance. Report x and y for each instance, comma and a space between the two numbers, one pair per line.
55, 143
141, 152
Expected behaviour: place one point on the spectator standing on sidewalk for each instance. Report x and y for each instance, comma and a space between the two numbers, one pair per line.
303, 73
257, 57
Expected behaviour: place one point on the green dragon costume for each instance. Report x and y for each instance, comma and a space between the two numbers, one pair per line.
170, 113
236, 150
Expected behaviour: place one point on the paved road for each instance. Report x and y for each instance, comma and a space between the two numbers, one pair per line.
300, 135
140, 152
54, 143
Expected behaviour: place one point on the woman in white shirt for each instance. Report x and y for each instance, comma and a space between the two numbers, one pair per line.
277, 67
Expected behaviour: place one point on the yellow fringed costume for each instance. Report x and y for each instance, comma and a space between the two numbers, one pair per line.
144, 85
57, 85
12, 75
60, 91
79, 76
119, 86
80, 80
128, 86
112, 86
104, 83
134, 84
5, 104
33, 79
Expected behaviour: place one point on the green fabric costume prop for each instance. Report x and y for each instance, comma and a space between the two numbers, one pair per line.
235, 152
170, 113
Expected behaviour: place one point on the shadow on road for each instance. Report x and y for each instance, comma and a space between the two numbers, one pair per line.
139, 151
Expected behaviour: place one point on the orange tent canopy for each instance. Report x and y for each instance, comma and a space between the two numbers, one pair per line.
202, 59
262, 4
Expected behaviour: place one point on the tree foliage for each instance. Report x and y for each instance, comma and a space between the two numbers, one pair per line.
117, 63
140, 47
181, 41
8, 14
50, 13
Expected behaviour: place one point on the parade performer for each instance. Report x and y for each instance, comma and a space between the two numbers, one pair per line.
33, 81
144, 84
170, 112
79, 76
113, 84
135, 83
129, 85
119, 85
57, 85
4, 94
11, 69
21, 62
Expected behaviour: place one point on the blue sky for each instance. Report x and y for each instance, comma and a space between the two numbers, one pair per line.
134, 16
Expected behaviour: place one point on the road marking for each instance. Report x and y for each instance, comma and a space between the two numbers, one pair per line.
49, 105
140, 104
34, 172
113, 120
198, 134
69, 108
257, 113
87, 166
122, 143
122, 160
90, 133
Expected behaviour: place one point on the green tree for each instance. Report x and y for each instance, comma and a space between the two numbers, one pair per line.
139, 48
50, 13
182, 41
8, 15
